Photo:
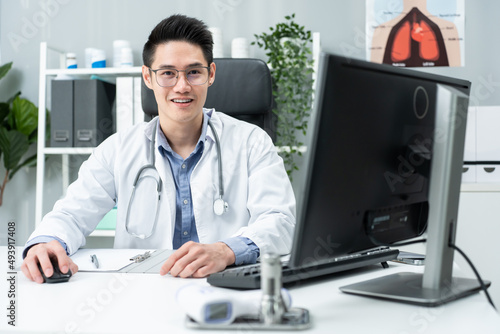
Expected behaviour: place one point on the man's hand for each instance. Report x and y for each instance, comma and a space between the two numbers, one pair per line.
42, 253
198, 260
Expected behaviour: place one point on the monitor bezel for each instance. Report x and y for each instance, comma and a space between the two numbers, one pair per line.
325, 61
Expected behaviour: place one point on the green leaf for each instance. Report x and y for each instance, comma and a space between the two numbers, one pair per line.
25, 114
291, 69
4, 69
14, 145
30, 162
4, 111
9, 101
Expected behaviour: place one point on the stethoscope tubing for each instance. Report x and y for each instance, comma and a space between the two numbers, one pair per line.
220, 206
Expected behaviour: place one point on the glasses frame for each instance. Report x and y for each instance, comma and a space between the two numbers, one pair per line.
178, 72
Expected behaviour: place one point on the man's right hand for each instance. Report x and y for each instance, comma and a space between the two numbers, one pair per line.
42, 253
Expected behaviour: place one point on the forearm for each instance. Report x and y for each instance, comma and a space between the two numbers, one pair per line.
86, 201
244, 249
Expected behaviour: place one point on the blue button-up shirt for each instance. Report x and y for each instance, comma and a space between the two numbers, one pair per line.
185, 226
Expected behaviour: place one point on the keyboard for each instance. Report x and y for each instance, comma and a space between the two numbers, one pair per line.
248, 276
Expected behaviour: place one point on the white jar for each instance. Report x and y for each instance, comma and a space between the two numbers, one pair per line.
88, 56
126, 59
71, 60
98, 58
118, 53
239, 48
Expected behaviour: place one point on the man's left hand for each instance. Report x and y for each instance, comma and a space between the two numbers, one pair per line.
198, 260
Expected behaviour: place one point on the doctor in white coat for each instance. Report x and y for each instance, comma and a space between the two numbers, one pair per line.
213, 215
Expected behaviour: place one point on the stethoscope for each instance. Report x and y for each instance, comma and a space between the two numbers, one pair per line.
220, 206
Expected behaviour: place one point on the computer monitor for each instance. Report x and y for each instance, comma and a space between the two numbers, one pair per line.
385, 162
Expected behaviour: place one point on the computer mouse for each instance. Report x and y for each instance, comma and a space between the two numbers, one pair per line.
57, 276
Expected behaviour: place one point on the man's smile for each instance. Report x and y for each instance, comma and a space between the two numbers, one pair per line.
182, 100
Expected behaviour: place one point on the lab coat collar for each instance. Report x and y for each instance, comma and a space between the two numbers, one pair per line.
216, 122
148, 131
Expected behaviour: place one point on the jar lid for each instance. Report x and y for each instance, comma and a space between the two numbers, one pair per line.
121, 43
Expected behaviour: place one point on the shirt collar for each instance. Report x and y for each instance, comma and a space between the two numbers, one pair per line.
163, 144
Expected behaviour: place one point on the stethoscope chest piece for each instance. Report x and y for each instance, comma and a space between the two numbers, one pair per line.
220, 206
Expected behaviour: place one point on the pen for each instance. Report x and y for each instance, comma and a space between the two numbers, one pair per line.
94, 260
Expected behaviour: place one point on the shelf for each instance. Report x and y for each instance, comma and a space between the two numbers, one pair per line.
103, 233
57, 68
480, 187
68, 150
89, 150
112, 71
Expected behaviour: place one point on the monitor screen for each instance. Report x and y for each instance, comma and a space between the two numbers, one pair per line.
369, 159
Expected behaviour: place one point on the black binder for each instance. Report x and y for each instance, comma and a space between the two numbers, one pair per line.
93, 106
61, 114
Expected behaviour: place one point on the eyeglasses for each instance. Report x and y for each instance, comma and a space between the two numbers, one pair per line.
196, 75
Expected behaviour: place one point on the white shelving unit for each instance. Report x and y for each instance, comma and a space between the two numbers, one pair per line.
47, 74
480, 187
103, 233
478, 230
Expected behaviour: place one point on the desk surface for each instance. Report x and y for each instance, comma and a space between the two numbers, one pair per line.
145, 303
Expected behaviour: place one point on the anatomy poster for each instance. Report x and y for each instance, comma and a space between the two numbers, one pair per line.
415, 33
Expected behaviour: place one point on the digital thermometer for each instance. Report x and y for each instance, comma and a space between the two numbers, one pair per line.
212, 305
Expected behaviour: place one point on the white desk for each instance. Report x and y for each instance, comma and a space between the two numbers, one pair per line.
145, 303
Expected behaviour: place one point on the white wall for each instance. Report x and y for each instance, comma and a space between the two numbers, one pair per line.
73, 25
76, 24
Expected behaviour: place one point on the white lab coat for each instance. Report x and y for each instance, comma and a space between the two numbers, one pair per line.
256, 188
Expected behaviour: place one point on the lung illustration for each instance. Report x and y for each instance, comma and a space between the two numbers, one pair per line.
415, 41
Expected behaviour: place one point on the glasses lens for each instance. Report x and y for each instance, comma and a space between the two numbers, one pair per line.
166, 78
195, 76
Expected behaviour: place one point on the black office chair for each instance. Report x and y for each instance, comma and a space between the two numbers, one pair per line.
242, 89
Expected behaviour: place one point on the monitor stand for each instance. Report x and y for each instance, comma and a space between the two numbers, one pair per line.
436, 285
407, 287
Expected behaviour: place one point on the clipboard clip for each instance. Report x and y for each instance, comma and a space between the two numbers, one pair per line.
140, 257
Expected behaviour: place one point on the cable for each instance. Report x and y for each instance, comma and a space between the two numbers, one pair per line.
451, 245
483, 287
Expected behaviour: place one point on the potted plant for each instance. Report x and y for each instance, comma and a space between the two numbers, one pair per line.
287, 47
18, 130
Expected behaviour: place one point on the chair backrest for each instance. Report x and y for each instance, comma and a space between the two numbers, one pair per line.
242, 89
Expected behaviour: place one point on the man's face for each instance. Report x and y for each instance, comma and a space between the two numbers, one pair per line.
183, 102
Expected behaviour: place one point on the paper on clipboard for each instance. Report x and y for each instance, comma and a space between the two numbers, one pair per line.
109, 259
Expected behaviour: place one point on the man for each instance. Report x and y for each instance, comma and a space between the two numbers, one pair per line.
167, 194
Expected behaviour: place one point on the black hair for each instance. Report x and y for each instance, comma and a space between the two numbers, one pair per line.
179, 28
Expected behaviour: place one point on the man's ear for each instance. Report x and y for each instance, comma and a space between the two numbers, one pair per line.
146, 75
211, 78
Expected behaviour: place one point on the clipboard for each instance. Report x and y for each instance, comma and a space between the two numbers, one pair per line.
145, 261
